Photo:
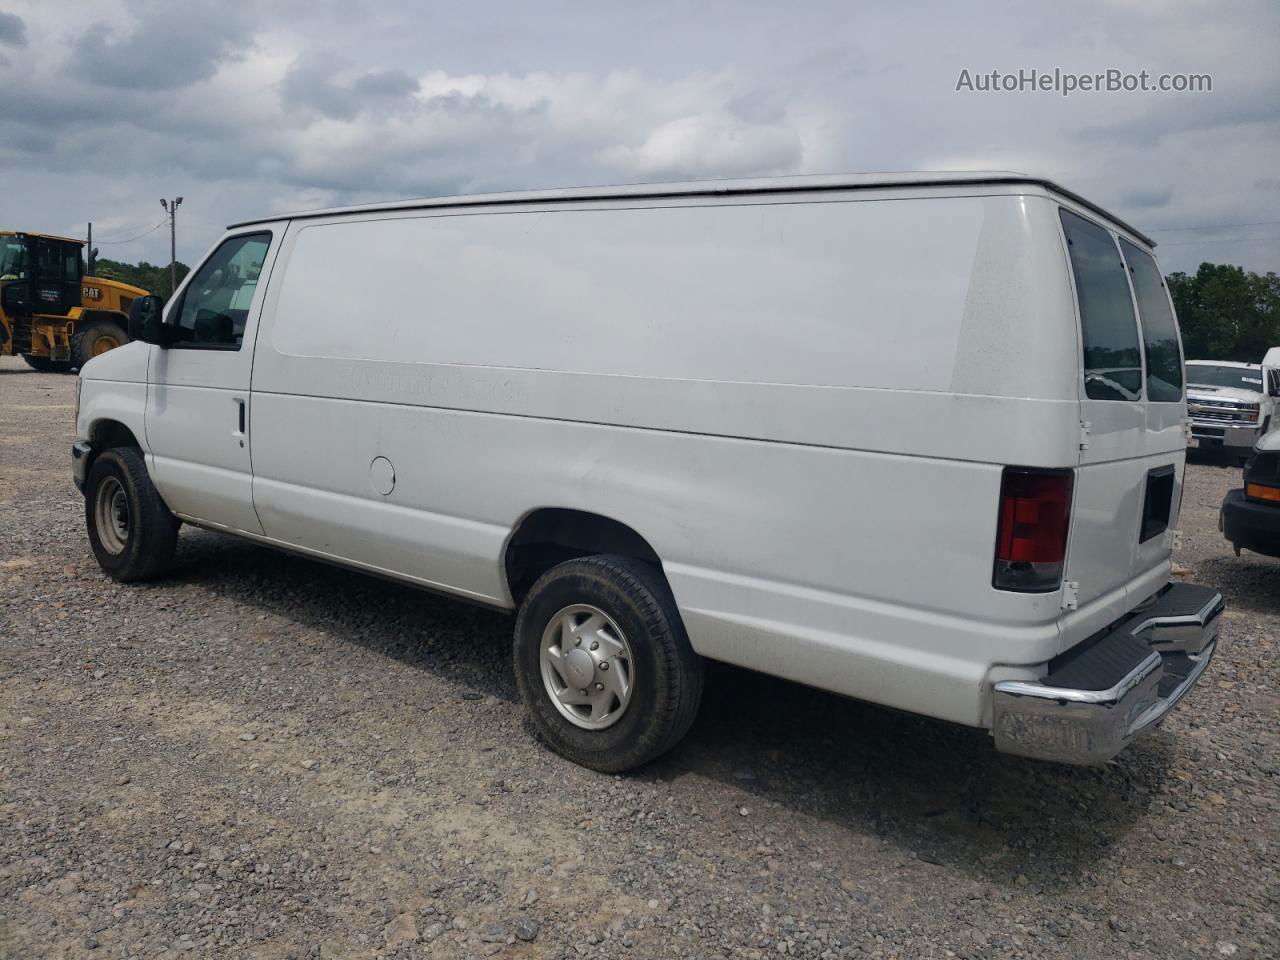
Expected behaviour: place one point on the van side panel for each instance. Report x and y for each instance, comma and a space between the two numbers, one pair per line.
778, 293
779, 397
782, 557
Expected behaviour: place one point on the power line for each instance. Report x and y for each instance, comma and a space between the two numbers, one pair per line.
1215, 226
1187, 243
139, 236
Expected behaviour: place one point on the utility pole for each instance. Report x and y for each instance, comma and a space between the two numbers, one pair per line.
171, 208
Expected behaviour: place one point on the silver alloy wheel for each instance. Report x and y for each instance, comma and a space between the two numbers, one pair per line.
587, 666
111, 515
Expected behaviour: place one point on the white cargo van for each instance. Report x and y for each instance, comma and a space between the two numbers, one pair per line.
916, 439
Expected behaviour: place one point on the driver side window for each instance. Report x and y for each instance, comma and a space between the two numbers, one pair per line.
215, 306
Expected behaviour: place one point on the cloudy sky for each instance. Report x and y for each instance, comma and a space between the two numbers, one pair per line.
251, 108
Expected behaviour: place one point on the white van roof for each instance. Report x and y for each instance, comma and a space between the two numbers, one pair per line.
757, 185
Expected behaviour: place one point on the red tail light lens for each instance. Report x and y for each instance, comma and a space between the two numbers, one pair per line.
1031, 539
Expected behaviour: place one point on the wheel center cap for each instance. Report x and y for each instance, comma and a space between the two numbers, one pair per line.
580, 669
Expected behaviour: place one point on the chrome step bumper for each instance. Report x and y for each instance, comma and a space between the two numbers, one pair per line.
1096, 698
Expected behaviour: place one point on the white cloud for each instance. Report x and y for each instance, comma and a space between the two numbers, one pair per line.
711, 144
303, 103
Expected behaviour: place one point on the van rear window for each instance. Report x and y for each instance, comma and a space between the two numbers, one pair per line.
1159, 329
1112, 359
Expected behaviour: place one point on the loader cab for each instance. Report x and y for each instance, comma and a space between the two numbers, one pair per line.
15, 258
39, 274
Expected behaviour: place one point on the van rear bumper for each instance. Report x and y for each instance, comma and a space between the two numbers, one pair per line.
1095, 698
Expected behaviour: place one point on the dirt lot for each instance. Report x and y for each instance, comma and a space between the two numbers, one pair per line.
265, 757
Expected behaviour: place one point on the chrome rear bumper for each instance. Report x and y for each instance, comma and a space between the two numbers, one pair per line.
1096, 698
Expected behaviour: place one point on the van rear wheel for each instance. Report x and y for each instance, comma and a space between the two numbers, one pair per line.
131, 531
603, 663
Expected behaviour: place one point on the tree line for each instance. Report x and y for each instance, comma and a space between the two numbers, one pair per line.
153, 278
1226, 312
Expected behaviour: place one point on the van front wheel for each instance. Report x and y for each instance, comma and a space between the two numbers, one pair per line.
603, 663
131, 531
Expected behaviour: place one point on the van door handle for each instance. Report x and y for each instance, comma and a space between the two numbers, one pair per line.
240, 404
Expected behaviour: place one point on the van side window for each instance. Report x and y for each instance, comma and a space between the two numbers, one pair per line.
1112, 360
1159, 329
215, 305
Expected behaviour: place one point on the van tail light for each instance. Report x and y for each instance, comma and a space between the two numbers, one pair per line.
1031, 538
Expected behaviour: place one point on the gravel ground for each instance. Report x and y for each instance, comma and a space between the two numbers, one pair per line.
262, 757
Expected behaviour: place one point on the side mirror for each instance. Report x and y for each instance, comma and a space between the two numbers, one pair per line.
144, 320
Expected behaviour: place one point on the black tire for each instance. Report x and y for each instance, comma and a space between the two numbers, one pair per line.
91, 337
45, 364
666, 673
146, 548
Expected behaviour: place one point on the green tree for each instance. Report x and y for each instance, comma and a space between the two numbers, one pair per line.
1226, 312
154, 278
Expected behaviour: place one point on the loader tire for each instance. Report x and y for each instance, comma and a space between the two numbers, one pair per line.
95, 337
45, 364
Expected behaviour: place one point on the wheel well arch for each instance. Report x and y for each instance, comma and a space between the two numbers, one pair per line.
550, 535
105, 434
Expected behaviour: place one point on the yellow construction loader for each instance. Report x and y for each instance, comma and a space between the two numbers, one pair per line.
50, 312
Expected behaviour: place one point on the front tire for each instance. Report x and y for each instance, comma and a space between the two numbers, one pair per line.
603, 663
95, 337
131, 531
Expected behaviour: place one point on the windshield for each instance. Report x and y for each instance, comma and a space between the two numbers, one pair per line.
13, 259
1242, 378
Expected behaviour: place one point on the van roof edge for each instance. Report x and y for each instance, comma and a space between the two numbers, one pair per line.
693, 188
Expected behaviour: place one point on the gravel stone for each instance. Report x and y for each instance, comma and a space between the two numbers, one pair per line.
401, 930
134, 817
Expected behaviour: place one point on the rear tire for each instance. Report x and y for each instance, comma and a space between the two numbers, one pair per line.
95, 337
45, 364
131, 531
623, 607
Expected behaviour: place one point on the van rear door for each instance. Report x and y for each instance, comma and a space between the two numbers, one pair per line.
1132, 412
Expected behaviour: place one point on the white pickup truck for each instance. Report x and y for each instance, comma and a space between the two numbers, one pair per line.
1232, 405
